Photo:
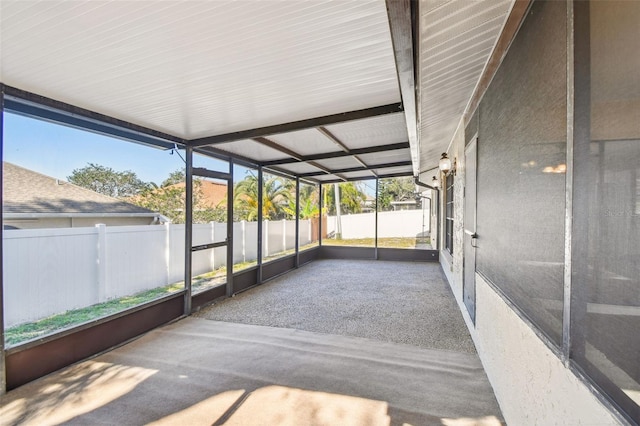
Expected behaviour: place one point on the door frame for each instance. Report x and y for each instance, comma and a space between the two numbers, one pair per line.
469, 235
228, 242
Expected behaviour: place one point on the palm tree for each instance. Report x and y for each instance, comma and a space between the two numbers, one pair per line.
276, 194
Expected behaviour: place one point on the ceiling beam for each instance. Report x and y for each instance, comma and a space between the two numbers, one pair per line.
338, 142
298, 125
336, 154
360, 169
401, 22
391, 175
273, 145
32, 105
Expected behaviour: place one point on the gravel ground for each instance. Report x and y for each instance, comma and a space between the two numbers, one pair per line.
398, 302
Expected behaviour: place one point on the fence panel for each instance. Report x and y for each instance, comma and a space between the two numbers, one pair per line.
175, 252
135, 259
401, 223
305, 232
290, 235
48, 271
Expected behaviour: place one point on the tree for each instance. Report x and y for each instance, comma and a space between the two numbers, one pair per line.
107, 181
169, 200
177, 176
395, 189
352, 198
309, 202
276, 194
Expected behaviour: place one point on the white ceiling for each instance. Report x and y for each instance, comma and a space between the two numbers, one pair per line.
201, 68
194, 69
456, 39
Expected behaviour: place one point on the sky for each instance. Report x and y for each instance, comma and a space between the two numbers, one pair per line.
56, 150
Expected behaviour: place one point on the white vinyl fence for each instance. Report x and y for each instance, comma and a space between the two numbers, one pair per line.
50, 271
401, 223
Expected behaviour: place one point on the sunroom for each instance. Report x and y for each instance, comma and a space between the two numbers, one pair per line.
491, 146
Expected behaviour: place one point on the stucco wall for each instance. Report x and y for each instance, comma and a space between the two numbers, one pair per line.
531, 383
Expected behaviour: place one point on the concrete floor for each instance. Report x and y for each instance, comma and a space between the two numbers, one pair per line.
400, 302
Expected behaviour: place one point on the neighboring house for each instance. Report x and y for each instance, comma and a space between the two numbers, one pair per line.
405, 205
33, 200
212, 194
368, 205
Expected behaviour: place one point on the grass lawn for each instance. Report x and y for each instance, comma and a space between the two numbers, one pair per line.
382, 242
32, 330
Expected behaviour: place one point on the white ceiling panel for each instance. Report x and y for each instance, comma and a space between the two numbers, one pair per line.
339, 163
306, 142
394, 170
385, 129
456, 40
386, 157
365, 174
251, 149
324, 178
201, 68
299, 168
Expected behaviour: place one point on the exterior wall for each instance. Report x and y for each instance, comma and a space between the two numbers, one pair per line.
532, 383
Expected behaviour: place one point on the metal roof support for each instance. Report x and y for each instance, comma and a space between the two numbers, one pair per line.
359, 169
297, 243
298, 125
188, 230
390, 175
31, 105
338, 142
3, 371
230, 231
271, 144
260, 227
401, 21
336, 154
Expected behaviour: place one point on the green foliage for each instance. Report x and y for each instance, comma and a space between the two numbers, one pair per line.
107, 181
352, 198
277, 193
170, 202
395, 189
177, 176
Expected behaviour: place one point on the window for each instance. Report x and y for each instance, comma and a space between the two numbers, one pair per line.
403, 215
448, 222
605, 325
245, 217
351, 213
279, 216
309, 221
522, 145
93, 226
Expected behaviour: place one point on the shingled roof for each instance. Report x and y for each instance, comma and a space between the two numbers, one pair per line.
29, 192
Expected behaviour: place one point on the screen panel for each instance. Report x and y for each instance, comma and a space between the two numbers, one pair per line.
605, 300
521, 170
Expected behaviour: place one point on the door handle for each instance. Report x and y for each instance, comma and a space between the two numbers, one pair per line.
474, 239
